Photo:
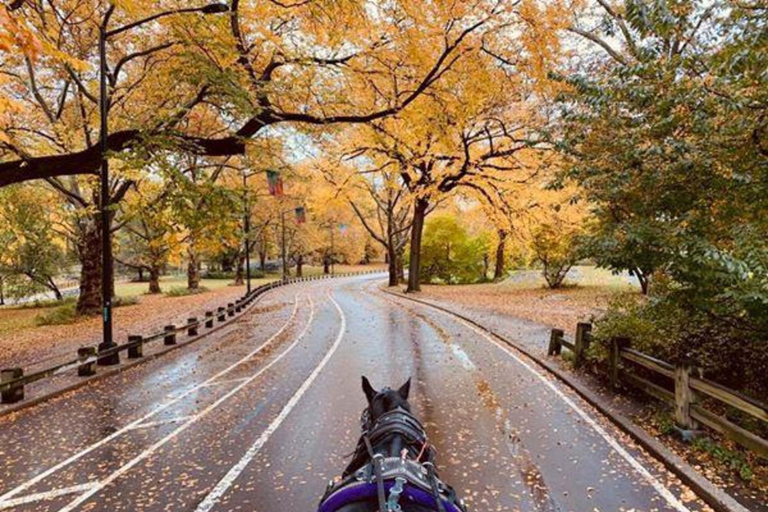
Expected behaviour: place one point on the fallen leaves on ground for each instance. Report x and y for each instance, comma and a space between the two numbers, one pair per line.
561, 308
48, 344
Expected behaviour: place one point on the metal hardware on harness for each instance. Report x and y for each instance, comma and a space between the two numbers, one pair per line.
394, 495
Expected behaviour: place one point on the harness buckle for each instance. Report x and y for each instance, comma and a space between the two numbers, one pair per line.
394, 495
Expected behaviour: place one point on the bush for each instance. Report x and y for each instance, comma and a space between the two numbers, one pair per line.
61, 315
555, 247
129, 300
667, 329
450, 255
45, 303
183, 291
219, 274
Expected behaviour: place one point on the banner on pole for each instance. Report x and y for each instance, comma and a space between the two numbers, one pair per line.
342, 229
275, 182
301, 215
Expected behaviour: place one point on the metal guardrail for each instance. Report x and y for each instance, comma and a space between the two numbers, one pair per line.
13, 380
686, 389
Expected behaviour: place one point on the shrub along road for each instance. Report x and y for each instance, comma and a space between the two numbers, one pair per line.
260, 417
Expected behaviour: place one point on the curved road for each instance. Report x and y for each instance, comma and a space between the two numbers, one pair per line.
258, 418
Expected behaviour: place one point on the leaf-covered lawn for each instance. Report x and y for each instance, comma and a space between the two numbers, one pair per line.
23, 343
524, 295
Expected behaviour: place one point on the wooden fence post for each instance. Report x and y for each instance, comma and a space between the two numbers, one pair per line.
170, 335
231, 309
581, 343
555, 347
87, 368
683, 395
192, 326
222, 313
209, 319
615, 358
12, 395
136, 350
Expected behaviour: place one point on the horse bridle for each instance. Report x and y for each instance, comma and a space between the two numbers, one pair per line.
398, 422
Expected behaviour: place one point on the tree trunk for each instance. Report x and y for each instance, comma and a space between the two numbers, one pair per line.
414, 267
326, 265
141, 274
498, 271
240, 271
154, 280
299, 266
226, 264
2, 291
645, 281
55, 289
193, 269
400, 264
263, 251
89, 254
394, 277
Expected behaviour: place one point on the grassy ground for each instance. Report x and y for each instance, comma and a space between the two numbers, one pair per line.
524, 294
21, 317
166, 283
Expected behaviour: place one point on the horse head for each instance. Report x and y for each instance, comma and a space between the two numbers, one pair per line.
386, 400
393, 462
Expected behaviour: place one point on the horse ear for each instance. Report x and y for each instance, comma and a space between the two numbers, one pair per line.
404, 389
368, 389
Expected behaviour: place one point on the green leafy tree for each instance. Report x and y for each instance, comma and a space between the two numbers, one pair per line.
668, 142
555, 248
450, 255
32, 255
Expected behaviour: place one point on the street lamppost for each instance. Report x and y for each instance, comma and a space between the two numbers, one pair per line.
283, 211
247, 229
106, 243
331, 227
282, 246
333, 251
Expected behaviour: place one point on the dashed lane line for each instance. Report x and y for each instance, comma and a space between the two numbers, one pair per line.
226, 482
75, 457
160, 443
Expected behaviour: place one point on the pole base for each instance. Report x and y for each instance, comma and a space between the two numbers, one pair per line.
110, 359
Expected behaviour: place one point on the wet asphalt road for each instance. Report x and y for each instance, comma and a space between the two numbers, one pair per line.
260, 417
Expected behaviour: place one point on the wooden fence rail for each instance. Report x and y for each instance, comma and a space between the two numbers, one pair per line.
13, 380
683, 392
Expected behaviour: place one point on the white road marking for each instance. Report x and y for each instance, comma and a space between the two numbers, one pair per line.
152, 449
45, 474
158, 423
47, 495
612, 442
225, 381
226, 482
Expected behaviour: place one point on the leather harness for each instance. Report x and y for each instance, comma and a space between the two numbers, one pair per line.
411, 479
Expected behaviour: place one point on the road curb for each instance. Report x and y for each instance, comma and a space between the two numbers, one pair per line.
706, 490
131, 364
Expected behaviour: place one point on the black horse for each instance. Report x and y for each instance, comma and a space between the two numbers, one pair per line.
392, 468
